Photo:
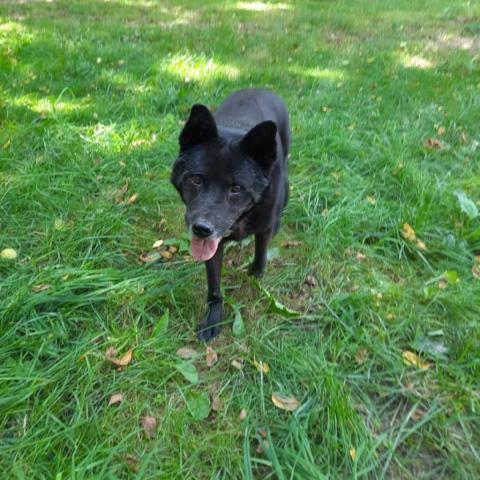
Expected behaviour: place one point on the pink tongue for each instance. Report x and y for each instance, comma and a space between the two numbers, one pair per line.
203, 250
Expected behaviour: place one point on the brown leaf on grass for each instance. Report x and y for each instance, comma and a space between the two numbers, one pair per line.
285, 403
441, 131
133, 463
361, 356
40, 288
420, 245
158, 244
132, 199
238, 364
262, 446
115, 398
243, 414
186, 353
476, 267
291, 243
418, 414
360, 257
432, 144
476, 270
149, 425
443, 283
166, 254
311, 281
217, 404
412, 359
119, 362
408, 233
149, 257
211, 357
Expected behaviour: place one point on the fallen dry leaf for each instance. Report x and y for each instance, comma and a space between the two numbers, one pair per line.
238, 364
463, 138
132, 199
166, 254
243, 414
186, 353
371, 200
476, 267
411, 358
115, 398
311, 281
261, 366
149, 425
441, 131
432, 144
418, 414
360, 257
149, 257
408, 233
211, 357
361, 356
264, 445
133, 463
158, 244
443, 283
40, 288
353, 453
420, 245
8, 254
291, 243
217, 404
476, 270
119, 362
285, 403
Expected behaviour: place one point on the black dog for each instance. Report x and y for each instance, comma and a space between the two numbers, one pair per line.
231, 173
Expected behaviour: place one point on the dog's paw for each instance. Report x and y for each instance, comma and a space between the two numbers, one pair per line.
255, 270
207, 332
210, 327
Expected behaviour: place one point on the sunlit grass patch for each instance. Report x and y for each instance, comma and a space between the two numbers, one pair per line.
199, 68
262, 6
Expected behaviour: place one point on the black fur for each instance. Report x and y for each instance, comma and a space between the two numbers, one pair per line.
231, 173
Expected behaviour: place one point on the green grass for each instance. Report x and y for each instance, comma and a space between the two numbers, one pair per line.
93, 95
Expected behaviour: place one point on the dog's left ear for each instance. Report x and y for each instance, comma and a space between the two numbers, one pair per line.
260, 144
200, 128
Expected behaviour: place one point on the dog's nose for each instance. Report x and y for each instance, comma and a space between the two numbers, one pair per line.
202, 230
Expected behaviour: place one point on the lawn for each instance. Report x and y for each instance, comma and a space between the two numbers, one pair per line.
379, 253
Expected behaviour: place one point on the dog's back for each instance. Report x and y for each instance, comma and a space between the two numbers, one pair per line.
246, 108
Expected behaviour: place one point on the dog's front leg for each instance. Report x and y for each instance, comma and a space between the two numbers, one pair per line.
211, 325
260, 260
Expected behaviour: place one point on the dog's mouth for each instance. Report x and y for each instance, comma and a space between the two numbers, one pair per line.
203, 249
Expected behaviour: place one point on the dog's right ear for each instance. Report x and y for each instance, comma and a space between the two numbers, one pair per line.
200, 128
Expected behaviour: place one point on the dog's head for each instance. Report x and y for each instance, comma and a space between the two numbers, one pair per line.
219, 180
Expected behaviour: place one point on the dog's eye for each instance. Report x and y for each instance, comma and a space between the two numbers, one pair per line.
235, 189
196, 180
